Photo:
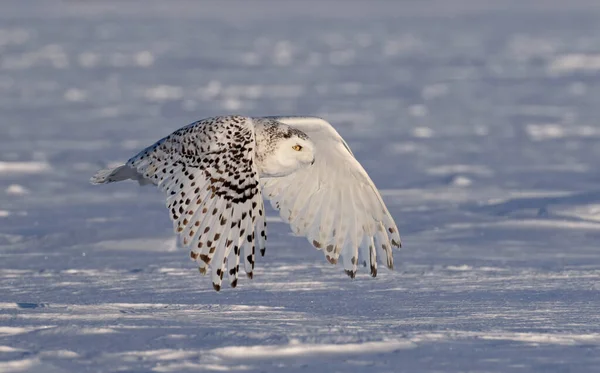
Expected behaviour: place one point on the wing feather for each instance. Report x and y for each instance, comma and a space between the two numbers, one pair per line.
382, 245
222, 249
351, 258
372, 257
233, 261
248, 246
260, 229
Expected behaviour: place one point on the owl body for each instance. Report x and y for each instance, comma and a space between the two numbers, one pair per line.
214, 170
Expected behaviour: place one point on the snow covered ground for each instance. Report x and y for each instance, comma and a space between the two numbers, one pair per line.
477, 120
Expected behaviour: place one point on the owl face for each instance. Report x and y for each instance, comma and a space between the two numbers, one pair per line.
288, 155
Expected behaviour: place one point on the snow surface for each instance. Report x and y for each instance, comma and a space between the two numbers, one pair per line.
477, 120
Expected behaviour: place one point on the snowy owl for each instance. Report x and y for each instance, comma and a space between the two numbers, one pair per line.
213, 172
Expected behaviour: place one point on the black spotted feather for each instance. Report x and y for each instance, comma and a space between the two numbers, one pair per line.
208, 171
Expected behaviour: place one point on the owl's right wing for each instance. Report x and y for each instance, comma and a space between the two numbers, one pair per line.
334, 203
209, 174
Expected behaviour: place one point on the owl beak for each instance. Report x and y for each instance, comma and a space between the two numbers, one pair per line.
313, 162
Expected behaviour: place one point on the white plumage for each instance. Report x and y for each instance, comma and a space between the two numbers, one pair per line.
213, 171
334, 203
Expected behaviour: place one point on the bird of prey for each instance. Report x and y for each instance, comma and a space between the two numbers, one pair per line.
216, 171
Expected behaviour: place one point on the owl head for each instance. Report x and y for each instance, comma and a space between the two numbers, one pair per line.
282, 149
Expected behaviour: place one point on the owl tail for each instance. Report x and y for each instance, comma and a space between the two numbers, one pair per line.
120, 173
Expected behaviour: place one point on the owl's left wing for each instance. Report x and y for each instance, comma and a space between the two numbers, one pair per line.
208, 172
334, 203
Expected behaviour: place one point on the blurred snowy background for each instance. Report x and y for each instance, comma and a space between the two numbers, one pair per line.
478, 121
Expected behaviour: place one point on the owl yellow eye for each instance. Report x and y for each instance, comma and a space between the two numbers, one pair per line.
297, 147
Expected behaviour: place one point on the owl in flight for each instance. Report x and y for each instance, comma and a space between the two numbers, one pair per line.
214, 170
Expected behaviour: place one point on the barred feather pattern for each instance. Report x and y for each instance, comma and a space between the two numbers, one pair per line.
209, 173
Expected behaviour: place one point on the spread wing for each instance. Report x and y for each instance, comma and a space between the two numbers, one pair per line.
209, 173
334, 203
